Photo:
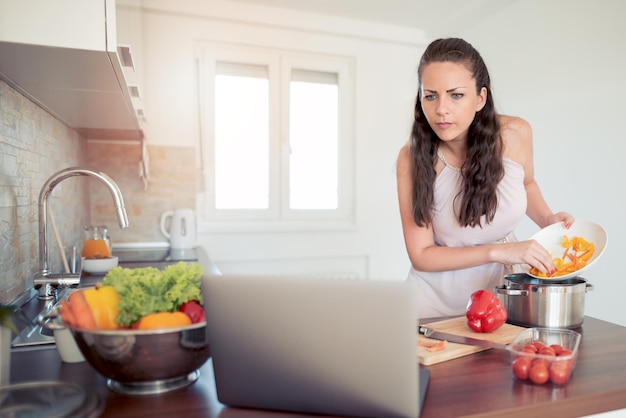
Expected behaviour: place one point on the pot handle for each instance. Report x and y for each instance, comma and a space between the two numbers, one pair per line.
588, 287
503, 290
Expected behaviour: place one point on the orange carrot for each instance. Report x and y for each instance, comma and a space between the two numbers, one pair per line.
67, 315
82, 314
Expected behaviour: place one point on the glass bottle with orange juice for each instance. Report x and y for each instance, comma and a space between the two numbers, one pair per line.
97, 242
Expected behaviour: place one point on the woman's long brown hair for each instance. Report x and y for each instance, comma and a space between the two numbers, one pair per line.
483, 168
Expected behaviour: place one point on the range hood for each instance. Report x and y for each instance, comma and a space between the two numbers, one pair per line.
63, 55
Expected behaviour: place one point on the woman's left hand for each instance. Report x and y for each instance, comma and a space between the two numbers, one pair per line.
561, 217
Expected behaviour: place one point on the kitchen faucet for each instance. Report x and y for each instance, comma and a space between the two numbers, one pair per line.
44, 280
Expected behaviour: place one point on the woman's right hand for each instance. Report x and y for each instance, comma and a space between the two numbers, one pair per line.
526, 252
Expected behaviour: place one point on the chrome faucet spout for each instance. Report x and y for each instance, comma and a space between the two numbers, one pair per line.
44, 280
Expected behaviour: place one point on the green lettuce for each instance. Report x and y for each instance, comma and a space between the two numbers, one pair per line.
149, 290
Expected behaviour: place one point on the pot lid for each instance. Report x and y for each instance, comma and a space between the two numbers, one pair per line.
48, 400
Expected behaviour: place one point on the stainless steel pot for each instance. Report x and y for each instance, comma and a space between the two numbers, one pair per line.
532, 302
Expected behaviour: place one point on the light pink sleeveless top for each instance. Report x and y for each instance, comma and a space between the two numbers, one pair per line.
447, 293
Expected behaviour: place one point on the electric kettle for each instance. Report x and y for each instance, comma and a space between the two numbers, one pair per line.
181, 228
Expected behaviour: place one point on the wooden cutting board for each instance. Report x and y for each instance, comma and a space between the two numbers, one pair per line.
504, 335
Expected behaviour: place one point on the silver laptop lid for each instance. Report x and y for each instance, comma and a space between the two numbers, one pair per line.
324, 346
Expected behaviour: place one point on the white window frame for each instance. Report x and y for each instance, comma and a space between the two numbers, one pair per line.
280, 64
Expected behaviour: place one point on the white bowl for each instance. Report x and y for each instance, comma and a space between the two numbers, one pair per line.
99, 265
552, 236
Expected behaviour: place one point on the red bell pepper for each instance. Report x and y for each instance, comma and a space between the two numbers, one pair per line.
484, 312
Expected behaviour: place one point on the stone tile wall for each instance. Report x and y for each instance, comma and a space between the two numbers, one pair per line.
172, 185
34, 145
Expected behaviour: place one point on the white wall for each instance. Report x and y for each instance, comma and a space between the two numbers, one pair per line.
559, 64
385, 59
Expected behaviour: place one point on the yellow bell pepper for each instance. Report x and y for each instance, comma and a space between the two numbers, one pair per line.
103, 303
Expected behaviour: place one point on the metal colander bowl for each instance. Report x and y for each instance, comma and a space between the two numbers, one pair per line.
142, 362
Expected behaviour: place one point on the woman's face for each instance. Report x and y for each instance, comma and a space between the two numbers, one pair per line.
449, 99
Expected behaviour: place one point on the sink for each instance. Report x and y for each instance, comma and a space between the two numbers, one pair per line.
35, 335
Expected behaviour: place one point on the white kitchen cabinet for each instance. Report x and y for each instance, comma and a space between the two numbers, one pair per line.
63, 54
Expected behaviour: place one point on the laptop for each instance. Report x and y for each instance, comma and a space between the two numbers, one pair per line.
326, 346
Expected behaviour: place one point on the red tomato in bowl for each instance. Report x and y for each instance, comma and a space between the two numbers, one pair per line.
539, 373
547, 351
193, 310
557, 348
565, 352
530, 348
521, 367
560, 372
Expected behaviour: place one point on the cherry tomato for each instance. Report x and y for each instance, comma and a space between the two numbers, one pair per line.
547, 351
539, 345
541, 362
521, 367
539, 373
530, 348
557, 348
559, 372
565, 352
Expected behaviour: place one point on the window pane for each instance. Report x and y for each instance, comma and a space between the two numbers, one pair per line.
241, 140
313, 140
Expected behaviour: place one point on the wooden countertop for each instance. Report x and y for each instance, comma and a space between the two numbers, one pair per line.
477, 385
481, 384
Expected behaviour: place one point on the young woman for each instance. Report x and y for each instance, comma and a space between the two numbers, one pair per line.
465, 181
